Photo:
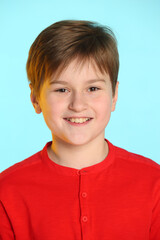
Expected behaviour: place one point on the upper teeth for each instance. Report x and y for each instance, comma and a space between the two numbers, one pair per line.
78, 120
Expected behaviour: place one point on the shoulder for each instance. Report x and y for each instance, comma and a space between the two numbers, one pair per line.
136, 162
22, 169
135, 158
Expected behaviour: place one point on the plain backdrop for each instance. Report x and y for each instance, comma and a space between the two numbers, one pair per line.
136, 23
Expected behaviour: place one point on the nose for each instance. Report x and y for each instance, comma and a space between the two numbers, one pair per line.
77, 102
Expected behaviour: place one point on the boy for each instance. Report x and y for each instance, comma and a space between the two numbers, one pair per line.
79, 186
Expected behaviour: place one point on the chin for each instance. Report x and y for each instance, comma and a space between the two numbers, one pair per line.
78, 140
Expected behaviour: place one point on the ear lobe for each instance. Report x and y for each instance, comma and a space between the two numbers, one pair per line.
115, 97
34, 101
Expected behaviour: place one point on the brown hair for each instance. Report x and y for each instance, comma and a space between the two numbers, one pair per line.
57, 45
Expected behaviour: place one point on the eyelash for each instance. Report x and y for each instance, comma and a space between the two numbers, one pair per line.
60, 90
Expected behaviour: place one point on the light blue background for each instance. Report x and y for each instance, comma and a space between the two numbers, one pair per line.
135, 123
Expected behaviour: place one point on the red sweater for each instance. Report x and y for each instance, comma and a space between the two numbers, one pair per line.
116, 199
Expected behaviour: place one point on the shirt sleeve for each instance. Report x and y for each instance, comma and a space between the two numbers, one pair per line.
155, 223
6, 232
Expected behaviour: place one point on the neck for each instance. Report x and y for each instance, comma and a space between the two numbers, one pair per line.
78, 157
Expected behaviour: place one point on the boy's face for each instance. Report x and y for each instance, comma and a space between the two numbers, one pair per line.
80, 93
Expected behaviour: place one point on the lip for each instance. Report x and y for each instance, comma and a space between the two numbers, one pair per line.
78, 124
77, 117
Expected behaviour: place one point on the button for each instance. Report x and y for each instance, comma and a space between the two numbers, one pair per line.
84, 194
84, 171
84, 219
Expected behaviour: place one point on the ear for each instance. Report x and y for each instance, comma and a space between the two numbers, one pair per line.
34, 101
115, 97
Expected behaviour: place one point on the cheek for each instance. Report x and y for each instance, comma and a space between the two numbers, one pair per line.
51, 107
51, 113
103, 105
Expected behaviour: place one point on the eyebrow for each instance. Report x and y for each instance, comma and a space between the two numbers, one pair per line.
65, 83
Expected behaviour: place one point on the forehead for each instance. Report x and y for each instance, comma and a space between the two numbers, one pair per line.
86, 69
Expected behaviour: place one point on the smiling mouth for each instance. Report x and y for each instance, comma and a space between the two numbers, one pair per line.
78, 120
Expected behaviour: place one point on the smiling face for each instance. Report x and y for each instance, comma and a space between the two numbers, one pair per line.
77, 104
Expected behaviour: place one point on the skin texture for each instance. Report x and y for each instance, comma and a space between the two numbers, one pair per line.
79, 95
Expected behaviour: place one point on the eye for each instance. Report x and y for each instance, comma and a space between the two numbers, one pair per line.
61, 90
93, 89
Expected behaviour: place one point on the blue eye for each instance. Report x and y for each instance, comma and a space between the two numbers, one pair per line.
93, 89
